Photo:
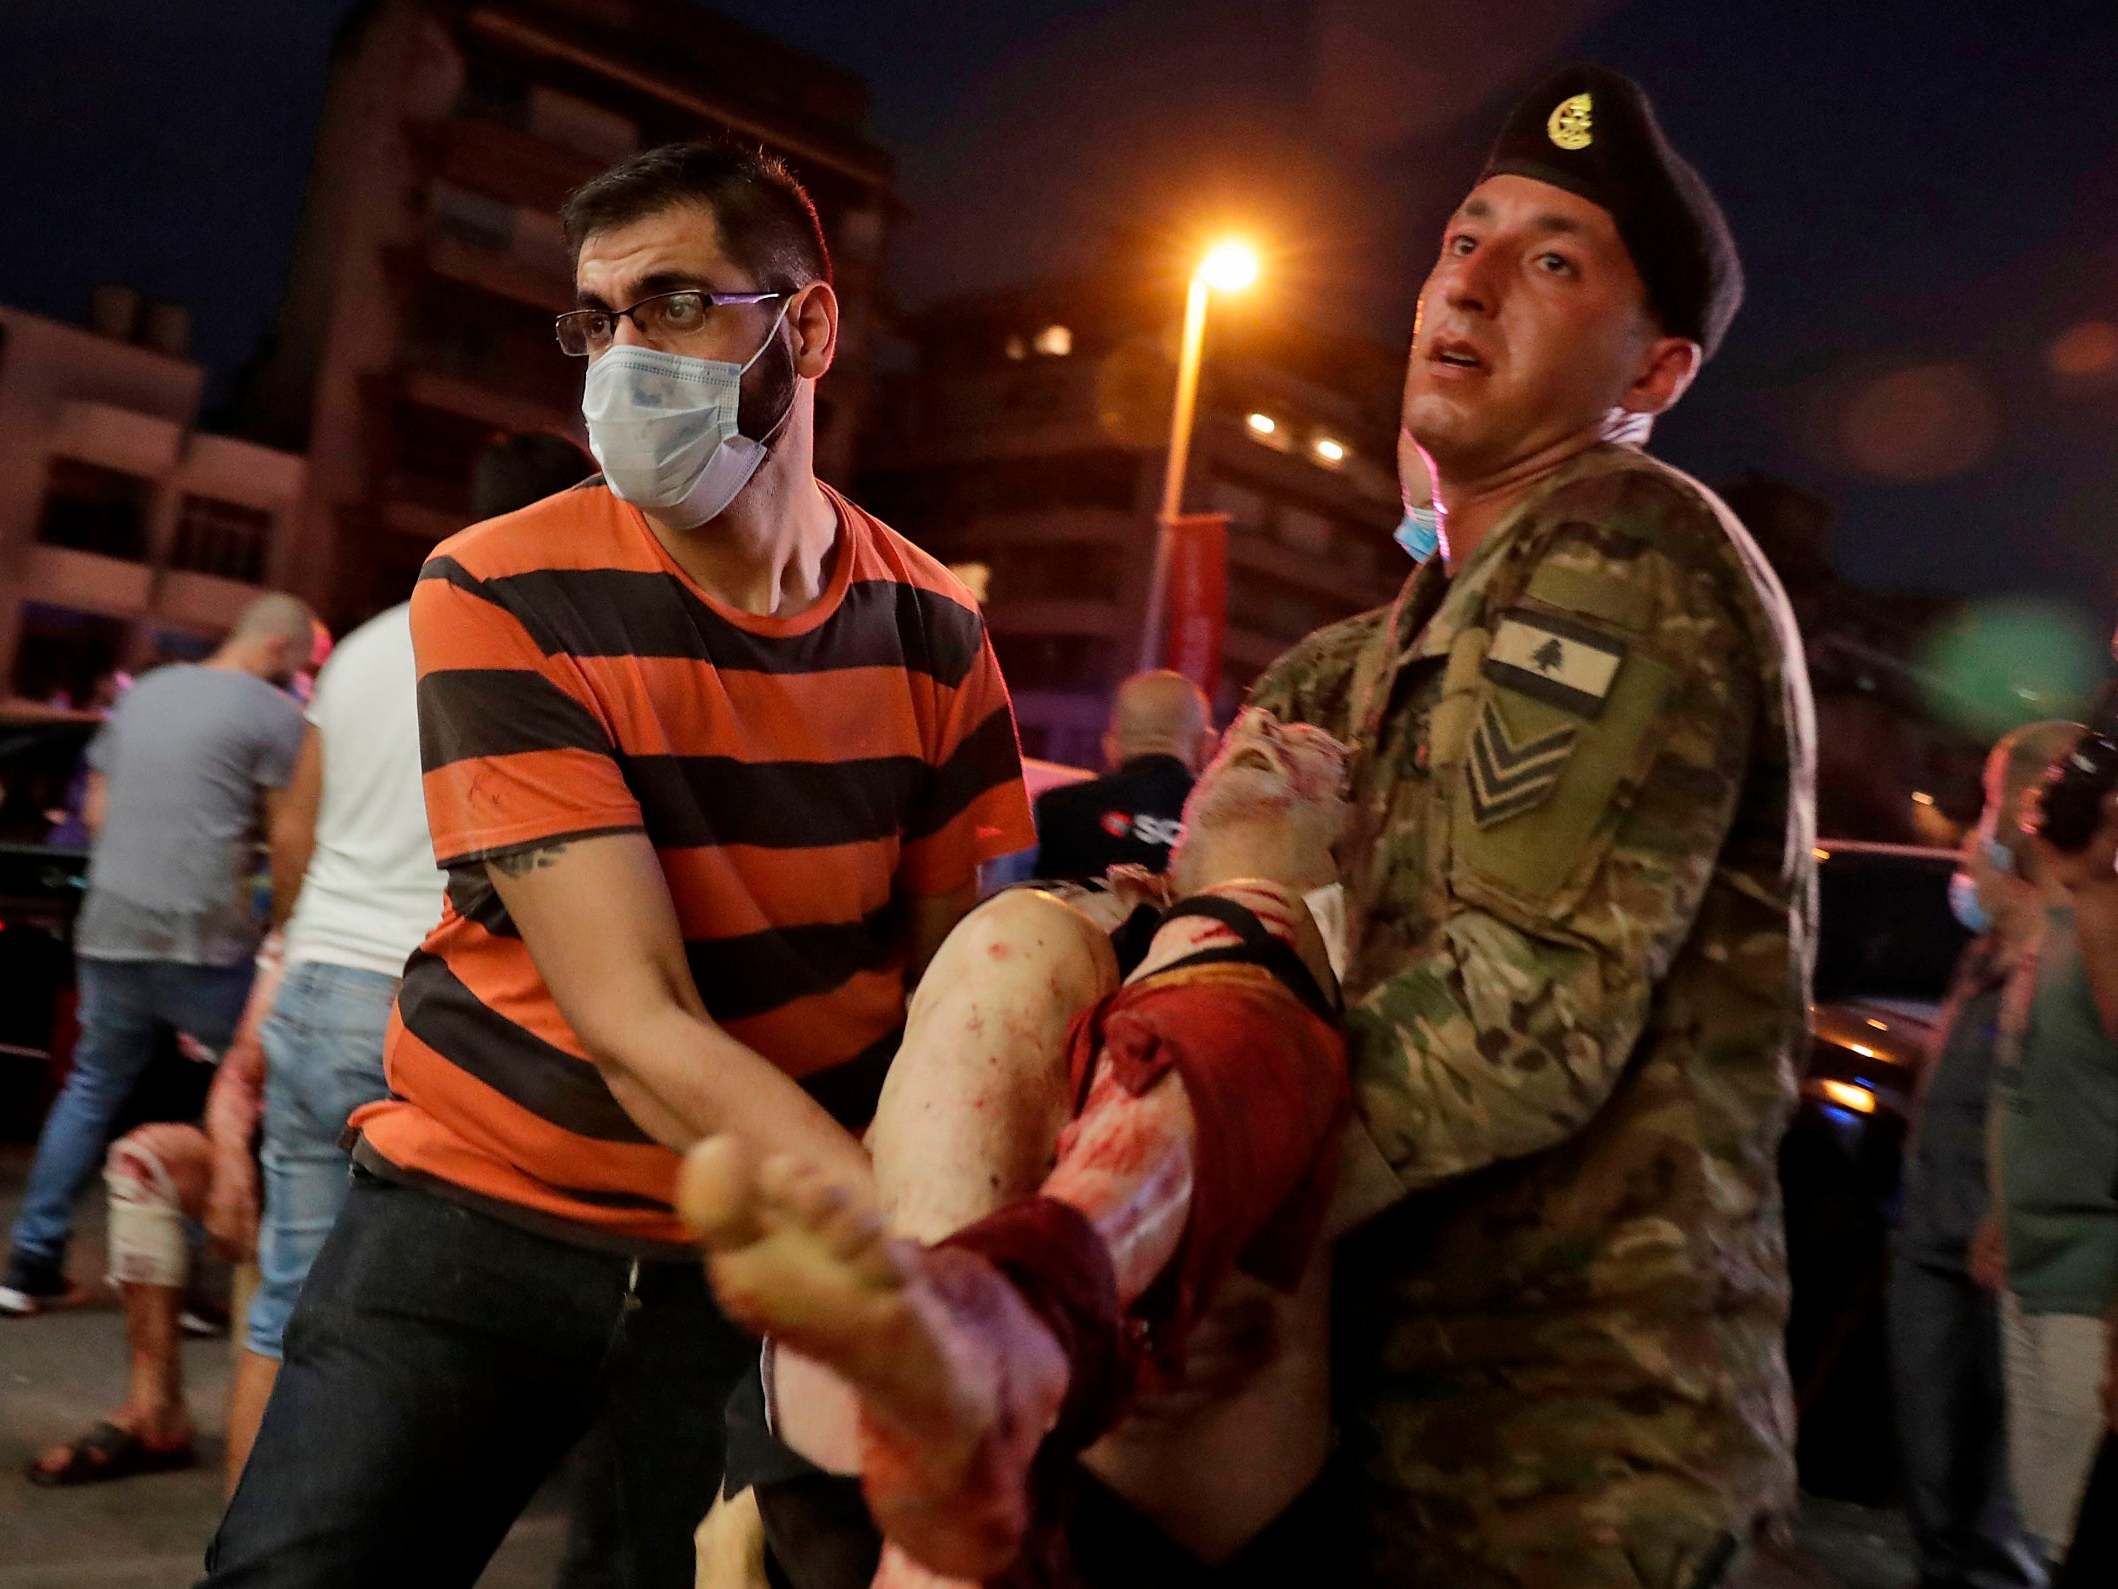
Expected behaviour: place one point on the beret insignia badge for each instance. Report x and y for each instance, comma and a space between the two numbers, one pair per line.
1570, 125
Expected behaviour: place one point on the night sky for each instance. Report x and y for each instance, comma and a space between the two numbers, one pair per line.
1929, 188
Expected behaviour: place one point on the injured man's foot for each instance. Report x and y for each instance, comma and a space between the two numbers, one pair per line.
958, 1381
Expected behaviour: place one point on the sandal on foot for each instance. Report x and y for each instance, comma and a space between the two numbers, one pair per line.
108, 1452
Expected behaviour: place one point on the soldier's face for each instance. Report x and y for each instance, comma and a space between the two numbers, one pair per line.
1532, 327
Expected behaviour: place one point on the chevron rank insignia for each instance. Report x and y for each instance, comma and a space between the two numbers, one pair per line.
1511, 776
1554, 660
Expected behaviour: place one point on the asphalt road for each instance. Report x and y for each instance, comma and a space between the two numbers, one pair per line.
60, 1371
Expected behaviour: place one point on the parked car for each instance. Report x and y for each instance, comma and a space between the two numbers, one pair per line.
1887, 947
41, 884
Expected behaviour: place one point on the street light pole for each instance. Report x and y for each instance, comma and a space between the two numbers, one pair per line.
1230, 267
1181, 419
1187, 404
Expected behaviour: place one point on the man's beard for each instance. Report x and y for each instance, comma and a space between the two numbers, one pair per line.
767, 391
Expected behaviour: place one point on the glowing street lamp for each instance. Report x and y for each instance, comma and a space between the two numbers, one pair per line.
1229, 266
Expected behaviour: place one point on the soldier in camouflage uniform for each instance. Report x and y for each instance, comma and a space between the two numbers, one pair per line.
1580, 892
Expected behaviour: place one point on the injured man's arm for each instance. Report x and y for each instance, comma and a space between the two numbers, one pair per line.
1205, 1099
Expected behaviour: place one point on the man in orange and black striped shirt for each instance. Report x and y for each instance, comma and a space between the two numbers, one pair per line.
712, 758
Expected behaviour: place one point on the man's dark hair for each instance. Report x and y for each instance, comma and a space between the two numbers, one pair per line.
766, 220
515, 470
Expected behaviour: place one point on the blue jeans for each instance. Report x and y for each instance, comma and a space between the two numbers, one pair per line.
323, 1060
123, 1004
440, 1363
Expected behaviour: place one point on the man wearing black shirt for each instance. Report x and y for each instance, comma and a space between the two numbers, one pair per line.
1158, 738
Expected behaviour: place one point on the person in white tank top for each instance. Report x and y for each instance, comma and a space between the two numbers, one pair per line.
371, 890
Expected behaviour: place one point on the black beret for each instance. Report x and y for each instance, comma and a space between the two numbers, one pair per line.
1593, 132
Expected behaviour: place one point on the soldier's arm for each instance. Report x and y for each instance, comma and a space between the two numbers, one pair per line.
1583, 825
1312, 680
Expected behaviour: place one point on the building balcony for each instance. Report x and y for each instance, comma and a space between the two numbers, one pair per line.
416, 518
1348, 580
117, 438
202, 601
240, 471
87, 580
488, 404
1362, 485
625, 66
504, 163
535, 279
996, 532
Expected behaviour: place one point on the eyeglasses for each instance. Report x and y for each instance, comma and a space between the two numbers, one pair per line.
584, 333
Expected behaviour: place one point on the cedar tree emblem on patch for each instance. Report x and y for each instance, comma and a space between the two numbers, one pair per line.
1555, 659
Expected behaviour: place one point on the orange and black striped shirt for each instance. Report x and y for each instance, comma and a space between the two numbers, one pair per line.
797, 776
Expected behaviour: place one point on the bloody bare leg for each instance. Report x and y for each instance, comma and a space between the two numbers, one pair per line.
959, 1378
972, 1110
157, 1177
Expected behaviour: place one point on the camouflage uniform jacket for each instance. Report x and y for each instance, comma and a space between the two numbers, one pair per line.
1581, 905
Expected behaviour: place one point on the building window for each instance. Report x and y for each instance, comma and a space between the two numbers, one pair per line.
1276, 610
1066, 571
179, 645
540, 241
1054, 342
226, 539
88, 508
1072, 479
1305, 530
472, 217
576, 124
492, 93
1053, 662
1245, 508
65, 654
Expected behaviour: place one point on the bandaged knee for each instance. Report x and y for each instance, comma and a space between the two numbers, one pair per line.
148, 1244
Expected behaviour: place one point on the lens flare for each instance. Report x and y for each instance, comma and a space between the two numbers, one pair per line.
1999, 664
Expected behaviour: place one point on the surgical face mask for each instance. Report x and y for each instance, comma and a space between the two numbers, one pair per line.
1419, 533
1964, 902
1965, 906
663, 427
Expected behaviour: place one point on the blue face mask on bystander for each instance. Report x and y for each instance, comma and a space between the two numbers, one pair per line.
1964, 902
